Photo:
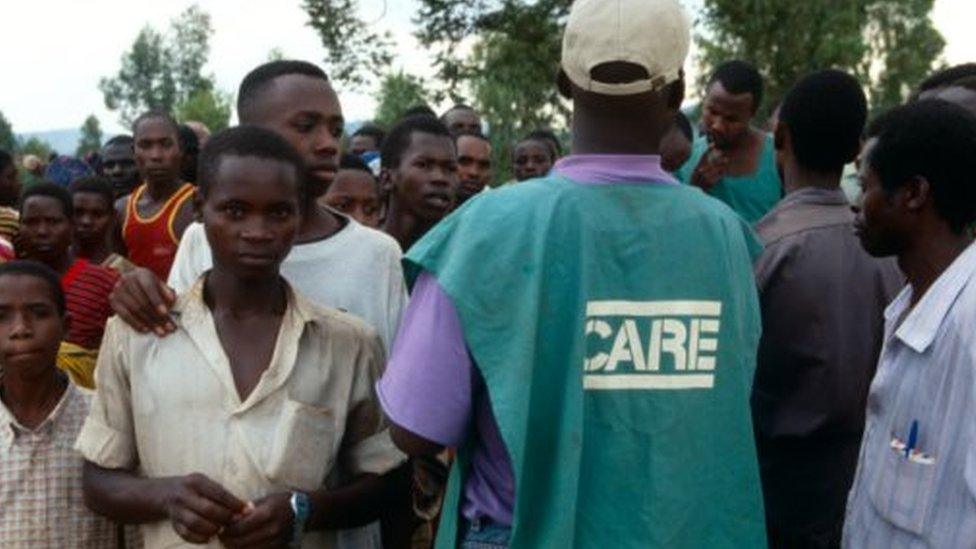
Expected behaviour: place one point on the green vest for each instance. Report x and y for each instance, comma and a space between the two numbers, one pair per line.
616, 329
751, 196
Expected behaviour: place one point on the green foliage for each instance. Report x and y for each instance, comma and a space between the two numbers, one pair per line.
162, 71
276, 54
397, 93
8, 141
890, 45
212, 107
91, 137
37, 147
355, 54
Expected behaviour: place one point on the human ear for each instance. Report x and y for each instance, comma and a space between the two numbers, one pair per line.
198, 207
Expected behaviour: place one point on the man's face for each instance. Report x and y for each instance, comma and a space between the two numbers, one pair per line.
31, 328
362, 144
45, 230
306, 112
93, 218
474, 166
462, 121
251, 215
532, 159
158, 151
725, 117
675, 149
356, 194
119, 166
425, 182
9, 185
878, 223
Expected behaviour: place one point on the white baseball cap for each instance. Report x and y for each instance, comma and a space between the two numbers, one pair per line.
653, 34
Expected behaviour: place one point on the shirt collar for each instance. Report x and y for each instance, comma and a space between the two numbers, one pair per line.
814, 195
922, 324
604, 169
10, 428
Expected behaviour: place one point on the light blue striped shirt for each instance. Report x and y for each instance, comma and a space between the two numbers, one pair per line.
926, 374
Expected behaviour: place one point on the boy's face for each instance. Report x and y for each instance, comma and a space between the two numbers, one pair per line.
93, 218
361, 144
356, 194
675, 149
158, 151
30, 327
45, 230
251, 215
306, 112
474, 166
426, 179
119, 166
531, 159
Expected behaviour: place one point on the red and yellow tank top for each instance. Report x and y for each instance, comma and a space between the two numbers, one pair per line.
151, 242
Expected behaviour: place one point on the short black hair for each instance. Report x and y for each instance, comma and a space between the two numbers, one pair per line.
401, 135
547, 137
94, 185
476, 135
876, 125
25, 267
684, 125
935, 140
120, 140
49, 190
156, 114
824, 114
419, 110
189, 142
738, 77
258, 80
6, 159
371, 130
353, 162
247, 141
959, 75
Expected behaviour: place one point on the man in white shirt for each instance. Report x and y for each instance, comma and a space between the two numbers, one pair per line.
336, 262
915, 484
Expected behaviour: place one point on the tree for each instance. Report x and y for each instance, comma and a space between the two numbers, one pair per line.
162, 71
890, 45
397, 93
212, 107
8, 141
354, 54
37, 147
91, 137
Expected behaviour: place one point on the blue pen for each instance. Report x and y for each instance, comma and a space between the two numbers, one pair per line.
912, 438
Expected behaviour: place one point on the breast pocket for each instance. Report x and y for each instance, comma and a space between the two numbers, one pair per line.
303, 449
902, 490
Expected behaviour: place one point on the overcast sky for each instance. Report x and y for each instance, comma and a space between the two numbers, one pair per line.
56, 50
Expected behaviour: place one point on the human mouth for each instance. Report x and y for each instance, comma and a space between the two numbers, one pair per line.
438, 201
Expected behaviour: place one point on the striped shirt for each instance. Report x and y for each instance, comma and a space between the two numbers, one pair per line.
40, 482
86, 289
923, 392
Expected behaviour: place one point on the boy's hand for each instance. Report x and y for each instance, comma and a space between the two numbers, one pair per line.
268, 522
711, 168
143, 301
199, 508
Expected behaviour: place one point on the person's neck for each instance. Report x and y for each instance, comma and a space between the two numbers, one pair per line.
228, 293
318, 223
613, 134
93, 252
405, 227
31, 394
796, 178
746, 143
161, 190
61, 264
932, 252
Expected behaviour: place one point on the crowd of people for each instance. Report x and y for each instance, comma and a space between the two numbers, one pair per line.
689, 331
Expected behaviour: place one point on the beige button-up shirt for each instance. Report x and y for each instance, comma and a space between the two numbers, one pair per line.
170, 407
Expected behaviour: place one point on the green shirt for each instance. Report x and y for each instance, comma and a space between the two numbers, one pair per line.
751, 196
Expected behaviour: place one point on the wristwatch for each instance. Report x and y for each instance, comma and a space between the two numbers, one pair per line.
299, 508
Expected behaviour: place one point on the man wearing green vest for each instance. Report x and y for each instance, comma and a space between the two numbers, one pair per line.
587, 340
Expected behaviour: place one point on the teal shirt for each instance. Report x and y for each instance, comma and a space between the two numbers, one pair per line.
615, 327
751, 196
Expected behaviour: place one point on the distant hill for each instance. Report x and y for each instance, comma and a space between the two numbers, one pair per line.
63, 141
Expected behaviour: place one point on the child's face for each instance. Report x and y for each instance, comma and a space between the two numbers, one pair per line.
531, 159
356, 194
93, 217
45, 231
251, 215
675, 149
30, 326
426, 179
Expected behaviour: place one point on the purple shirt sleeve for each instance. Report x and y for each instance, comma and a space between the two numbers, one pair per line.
427, 386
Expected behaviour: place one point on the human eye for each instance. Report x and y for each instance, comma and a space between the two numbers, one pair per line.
233, 210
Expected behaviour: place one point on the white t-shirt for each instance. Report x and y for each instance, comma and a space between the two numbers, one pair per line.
357, 270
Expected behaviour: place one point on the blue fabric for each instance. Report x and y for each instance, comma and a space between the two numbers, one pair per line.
484, 535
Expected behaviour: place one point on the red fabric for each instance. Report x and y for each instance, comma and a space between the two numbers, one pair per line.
86, 289
151, 243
